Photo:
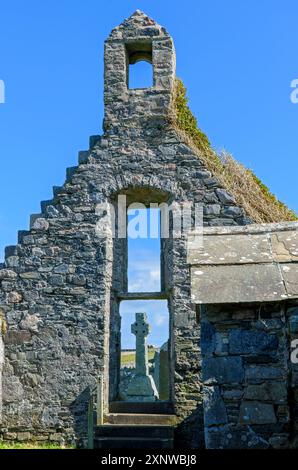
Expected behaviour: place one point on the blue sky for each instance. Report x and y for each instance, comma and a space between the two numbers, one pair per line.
237, 60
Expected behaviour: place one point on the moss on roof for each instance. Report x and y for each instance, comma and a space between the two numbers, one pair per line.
249, 192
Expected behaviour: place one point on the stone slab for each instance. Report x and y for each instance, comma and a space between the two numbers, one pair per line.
230, 249
232, 284
290, 276
285, 246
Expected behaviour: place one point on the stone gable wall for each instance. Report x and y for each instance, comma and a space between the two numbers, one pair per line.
61, 285
245, 281
56, 286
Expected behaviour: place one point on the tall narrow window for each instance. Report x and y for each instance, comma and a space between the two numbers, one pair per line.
144, 250
144, 314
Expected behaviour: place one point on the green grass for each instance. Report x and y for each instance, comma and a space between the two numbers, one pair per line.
129, 357
5, 445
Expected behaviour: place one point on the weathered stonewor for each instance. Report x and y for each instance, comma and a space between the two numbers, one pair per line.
61, 285
245, 280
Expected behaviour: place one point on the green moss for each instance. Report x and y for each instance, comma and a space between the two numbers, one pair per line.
185, 120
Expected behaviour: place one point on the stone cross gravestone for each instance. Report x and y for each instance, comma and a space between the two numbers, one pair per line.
142, 386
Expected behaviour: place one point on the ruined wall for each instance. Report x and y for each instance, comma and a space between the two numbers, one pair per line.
292, 328
2, 331
61, 285
245, 281
56, 283
247, 377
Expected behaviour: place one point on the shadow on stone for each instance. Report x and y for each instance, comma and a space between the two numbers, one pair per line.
189, 434
79, 410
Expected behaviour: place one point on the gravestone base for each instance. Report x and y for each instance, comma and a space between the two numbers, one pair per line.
142, 388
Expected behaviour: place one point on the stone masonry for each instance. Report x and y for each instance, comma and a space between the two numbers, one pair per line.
61, 285
245, 281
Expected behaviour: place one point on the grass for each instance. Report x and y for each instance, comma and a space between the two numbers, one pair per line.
5, 445
128, 357
249, 192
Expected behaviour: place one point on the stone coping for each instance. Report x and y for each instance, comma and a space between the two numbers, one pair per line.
254, 263
251, 228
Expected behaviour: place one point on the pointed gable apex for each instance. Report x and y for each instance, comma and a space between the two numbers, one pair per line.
138, 24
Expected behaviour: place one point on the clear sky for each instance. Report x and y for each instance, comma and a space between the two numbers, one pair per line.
237, 60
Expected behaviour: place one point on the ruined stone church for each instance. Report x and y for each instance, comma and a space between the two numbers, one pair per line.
233, 303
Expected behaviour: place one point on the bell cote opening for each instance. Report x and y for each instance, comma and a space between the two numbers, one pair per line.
139, 75
139, 65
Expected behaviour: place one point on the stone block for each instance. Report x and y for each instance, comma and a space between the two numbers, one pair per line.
223, 370
208, 338
293, 322
283, 414
56, 280
23, 436
285, 246
214, 407
259, 373
267, 391
254, 412
290, 276
56, 437
18, 337
227, 437
224, 196
61, 269
14, 297
10, 436
279, 441
211, 284
7, 274
212, 209
232, 249
30, 275
40, 224
232, 211
251, 342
